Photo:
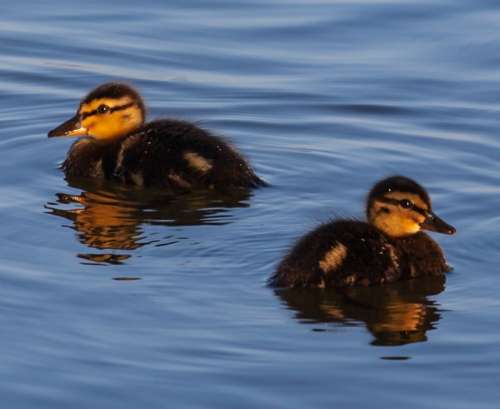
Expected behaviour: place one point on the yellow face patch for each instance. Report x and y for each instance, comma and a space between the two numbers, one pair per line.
108, 118
394, 220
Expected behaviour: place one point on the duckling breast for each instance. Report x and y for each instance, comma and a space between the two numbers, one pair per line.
89, 159
421, 256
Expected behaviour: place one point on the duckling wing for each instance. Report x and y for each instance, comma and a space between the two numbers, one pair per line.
178, 154
339, 254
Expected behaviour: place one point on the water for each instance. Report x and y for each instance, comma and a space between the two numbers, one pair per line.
112, 299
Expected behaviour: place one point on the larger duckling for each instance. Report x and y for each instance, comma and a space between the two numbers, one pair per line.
119, 145
391, 246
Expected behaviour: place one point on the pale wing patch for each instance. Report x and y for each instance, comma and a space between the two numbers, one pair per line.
333, 258
393, 255
97, 169
137, 178
198, 162
178, 180
126, 144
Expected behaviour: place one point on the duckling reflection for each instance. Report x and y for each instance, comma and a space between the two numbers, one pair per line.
111, 218
103, 223
395, 314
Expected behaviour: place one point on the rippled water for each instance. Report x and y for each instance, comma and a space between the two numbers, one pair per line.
115, 299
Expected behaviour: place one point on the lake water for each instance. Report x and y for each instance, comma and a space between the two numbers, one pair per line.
117, 300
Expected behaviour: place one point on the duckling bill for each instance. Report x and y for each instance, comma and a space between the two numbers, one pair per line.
117, 144
390, 246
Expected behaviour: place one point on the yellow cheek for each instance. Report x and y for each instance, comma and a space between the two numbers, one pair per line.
105, 128
409, 226
396, 225
88, 123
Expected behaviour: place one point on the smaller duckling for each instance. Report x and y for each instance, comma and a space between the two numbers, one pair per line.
390, 247
166, 153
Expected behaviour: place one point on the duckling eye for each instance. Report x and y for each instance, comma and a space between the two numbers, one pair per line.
406, 204
102, 109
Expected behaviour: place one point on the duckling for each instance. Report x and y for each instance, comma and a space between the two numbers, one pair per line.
168, 153
391, 246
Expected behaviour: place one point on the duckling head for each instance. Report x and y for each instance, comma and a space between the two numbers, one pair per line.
110, 111
399, 207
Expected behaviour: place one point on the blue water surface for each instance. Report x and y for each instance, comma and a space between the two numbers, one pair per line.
115, 300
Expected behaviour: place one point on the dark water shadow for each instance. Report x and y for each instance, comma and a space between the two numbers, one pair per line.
110, 217
395, 314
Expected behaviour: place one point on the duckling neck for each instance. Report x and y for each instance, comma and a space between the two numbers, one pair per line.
110, 141
395, 237
116, 138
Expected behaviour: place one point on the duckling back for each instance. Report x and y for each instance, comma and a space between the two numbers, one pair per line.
179, 155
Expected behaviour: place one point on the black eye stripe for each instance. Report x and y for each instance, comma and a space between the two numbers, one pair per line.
121, 107
113, 109
415, 208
